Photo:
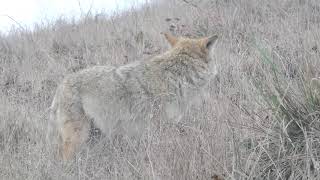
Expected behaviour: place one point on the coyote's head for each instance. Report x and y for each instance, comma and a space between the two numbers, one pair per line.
195, 48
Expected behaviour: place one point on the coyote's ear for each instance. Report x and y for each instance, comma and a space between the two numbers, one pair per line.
171, 39
209, 42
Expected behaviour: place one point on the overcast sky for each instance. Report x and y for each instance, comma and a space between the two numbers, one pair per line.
28, 12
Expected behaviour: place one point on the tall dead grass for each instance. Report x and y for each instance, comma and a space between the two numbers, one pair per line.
259, 119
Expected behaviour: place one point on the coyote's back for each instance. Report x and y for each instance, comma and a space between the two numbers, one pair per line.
121, 98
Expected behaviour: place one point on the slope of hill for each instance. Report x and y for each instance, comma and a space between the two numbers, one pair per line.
259, 119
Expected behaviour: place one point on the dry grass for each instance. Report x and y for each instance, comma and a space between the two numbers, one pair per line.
259, 120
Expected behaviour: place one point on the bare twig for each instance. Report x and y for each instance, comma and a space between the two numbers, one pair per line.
81, 10
190, 3
19, 24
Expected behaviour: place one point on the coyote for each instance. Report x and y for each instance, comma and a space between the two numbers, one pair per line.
124, 97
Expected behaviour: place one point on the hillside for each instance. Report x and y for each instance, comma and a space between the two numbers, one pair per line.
260, 117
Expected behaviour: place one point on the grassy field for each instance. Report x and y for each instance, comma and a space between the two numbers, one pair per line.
260, 117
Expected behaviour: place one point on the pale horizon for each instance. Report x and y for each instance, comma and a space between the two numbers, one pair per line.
30, 12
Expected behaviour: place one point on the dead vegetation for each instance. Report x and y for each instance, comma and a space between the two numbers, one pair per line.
259, 119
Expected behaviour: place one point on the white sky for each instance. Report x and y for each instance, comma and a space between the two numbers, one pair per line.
28, 12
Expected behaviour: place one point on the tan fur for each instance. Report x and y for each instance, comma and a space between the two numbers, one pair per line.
171, 39
216, 177
123, 97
